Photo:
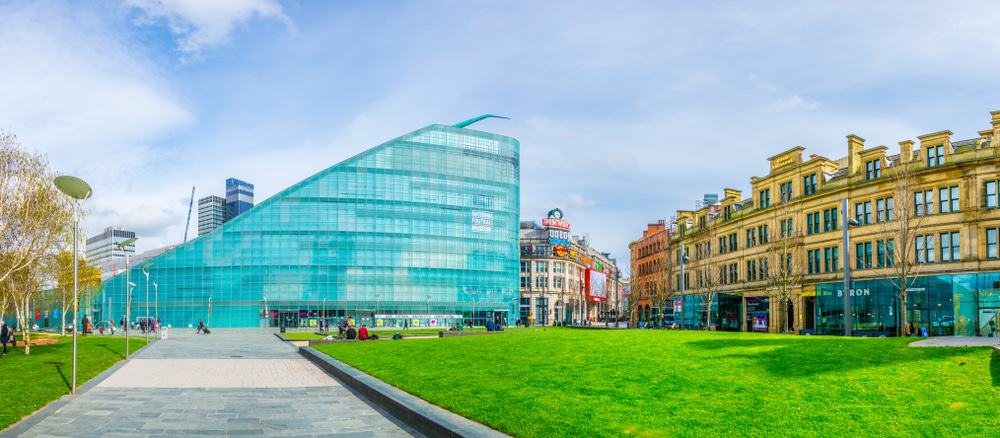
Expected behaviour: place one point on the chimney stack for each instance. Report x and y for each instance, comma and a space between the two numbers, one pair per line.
855, 145
996, 127
905, 151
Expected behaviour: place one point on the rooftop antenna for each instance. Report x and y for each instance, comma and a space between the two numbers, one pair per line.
187, 224
476, 119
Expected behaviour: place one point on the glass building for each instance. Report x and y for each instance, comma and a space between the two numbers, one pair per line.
421, 230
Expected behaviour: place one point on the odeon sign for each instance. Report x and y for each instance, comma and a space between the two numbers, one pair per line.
855, 292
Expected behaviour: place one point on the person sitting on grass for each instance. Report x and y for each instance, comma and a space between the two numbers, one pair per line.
342, 327
351, 333
363, 333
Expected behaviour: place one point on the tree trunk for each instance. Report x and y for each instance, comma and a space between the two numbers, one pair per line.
904, 325
62, 326
708, 317
22, 320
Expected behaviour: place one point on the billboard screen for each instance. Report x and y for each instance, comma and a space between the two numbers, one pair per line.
597, 290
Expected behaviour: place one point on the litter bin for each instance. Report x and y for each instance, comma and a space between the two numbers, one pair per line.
163, 333
282, 329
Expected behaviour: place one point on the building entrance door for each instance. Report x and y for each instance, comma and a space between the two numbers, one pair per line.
288, 319
809, 313
989, 321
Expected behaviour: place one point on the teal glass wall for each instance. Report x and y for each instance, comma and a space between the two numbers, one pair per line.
938, 305
726, 312
421, 229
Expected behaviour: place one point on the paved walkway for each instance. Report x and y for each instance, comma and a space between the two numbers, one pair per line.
957, 341
229, 383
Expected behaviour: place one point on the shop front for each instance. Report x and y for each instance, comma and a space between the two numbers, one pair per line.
726, 311
937, 305
758, 314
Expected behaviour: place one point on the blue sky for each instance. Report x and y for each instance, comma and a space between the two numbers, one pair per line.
626, 111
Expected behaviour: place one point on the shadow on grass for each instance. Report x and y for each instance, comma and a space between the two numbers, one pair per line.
58, 366
798, 358
995, 367
114, 352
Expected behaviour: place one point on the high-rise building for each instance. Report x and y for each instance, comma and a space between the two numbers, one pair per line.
103, 251
420, 230
211, 213
239, 197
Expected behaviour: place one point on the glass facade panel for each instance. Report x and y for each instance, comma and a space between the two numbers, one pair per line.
423, 228
937, 305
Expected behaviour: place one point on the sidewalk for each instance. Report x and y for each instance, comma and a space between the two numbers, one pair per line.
223, 384
958, 341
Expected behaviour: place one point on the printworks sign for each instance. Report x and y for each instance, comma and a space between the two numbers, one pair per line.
555, 220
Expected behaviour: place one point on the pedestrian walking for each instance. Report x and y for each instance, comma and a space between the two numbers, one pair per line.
85, 324
5, 334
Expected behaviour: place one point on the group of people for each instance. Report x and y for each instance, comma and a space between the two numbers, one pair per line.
142, 324
347, 331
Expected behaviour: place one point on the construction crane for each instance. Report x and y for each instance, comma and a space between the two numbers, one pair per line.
188, 223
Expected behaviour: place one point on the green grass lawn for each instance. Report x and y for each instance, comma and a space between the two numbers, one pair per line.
27, 383
566, 382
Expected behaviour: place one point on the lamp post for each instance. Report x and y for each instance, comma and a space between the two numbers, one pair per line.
156, 300
683, 259
848, 223
77, 189
129, 285
145, 333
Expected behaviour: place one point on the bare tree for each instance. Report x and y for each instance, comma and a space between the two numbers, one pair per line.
782, 263
712, 274
89, 279
33, 214
663, 290
24, 286
899, 231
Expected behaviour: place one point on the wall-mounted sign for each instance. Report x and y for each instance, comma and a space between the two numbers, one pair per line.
596, 285
482, 221
560, 250
559, 234
558, 242
857, 292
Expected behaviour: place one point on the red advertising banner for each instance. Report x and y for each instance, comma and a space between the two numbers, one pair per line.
596, 284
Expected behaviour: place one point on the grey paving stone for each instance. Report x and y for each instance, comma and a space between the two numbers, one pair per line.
113, 410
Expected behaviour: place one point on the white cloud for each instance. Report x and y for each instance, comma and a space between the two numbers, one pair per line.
73, 90
202, 24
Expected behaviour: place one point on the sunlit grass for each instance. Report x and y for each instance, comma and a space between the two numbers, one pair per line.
566, 382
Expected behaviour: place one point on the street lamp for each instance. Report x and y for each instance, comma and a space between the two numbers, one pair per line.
156, 300
145, 272
848, 223
683, 261
128, 296
77, 189
128, 314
